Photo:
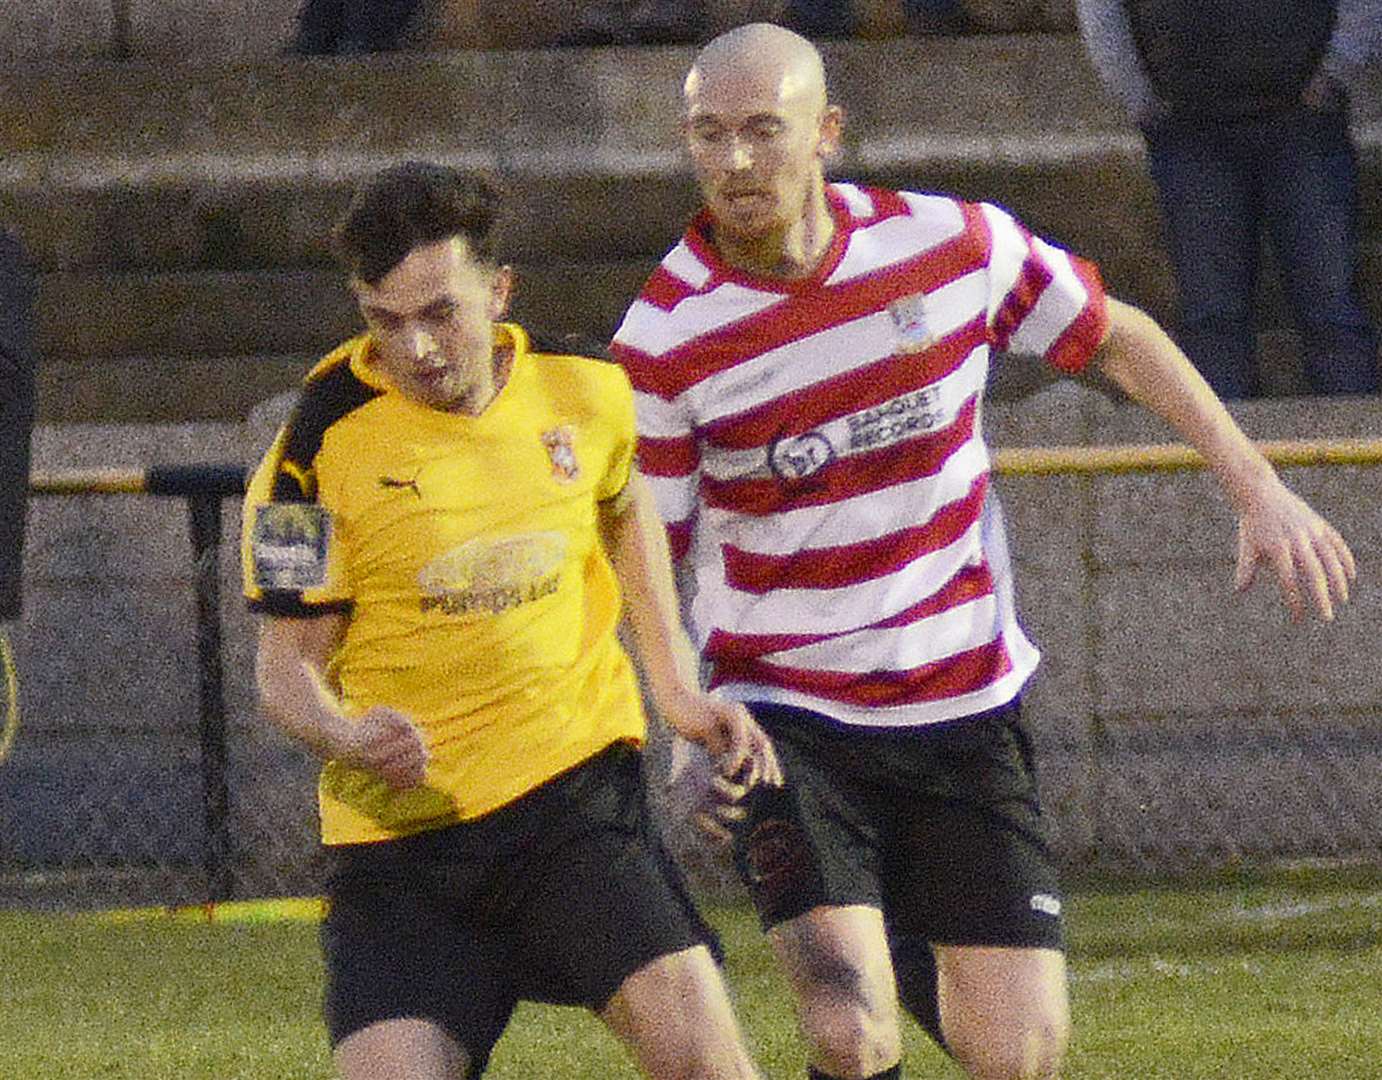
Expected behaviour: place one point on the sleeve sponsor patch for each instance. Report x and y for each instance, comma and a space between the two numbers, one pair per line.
288, 546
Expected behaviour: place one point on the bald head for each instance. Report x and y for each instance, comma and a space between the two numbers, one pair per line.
762, 54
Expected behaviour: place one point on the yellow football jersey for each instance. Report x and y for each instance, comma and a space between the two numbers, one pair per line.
466, 552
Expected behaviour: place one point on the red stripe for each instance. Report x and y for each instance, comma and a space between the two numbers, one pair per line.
668, 457
886, 204
859, 389
1073, 349
962, 673
665, 290
970, 583
807, 308
845, 478
679, 539
1034, 279
848, 564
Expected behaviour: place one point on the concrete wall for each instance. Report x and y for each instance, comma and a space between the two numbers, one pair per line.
1178, 724
211, 30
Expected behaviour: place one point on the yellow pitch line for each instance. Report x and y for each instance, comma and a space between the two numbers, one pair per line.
287, 909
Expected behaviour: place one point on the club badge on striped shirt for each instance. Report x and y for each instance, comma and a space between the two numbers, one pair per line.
909, 316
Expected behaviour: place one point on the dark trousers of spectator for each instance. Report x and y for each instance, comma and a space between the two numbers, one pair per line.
352, 26
1292, 177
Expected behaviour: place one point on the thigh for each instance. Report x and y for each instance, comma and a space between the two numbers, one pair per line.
417, 1049
971, 864
700, 1036
603, 899
1005, 1011
393, 952
812, 842
1310, 190
1210, 212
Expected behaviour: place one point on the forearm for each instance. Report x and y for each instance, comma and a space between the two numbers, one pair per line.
297, 699
1142, 359
637, 544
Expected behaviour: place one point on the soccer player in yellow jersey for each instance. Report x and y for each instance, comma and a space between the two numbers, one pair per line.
442, 541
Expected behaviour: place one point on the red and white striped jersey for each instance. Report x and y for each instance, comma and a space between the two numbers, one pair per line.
816, 447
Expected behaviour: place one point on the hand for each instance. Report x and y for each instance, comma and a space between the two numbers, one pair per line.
697, 790
387, 743
1307, 553
742, 750
1322, 94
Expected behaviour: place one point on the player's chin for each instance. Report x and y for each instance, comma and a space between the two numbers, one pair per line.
745, 222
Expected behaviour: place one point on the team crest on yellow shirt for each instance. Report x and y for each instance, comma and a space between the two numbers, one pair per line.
560, 443
909, 316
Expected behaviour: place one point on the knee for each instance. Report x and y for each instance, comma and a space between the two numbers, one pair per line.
852, 1025
1032, 1051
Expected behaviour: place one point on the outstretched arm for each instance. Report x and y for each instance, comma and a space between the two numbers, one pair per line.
1275, 526
637, 545
289, 668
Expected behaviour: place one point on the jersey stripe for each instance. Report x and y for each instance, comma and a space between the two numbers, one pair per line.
833, 567
843, 479
932, 682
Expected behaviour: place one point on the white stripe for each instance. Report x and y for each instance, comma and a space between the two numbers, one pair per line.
793, 367
659, 418
943, 401
1006, 260
897, 239
682, 263
831, 611
858, 202
1058, 306
957, 303
675, 497
650, 329
856, 520
967, 626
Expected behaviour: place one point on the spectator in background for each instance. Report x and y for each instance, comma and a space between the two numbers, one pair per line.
328, 27
1244, 108
17, 363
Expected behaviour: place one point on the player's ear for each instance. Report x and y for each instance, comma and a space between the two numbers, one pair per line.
832, 130
500, 292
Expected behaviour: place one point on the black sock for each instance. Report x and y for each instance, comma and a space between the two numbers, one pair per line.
895, 1073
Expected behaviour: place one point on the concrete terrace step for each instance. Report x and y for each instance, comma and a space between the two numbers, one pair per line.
180, 211
289, 311
164, 347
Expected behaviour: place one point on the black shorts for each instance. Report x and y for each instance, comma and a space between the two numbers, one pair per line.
557, 897
939, 826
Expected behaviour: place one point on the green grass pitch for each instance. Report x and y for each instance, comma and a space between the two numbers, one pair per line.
1253, 980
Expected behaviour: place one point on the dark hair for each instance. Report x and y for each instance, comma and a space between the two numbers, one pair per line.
412, 205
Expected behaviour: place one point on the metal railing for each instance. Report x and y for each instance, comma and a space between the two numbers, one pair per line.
204, 488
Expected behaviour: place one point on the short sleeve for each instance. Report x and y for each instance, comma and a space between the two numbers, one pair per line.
292, 555
1044, 300
615, 481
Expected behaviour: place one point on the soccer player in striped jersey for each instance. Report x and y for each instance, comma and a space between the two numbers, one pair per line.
809, 363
